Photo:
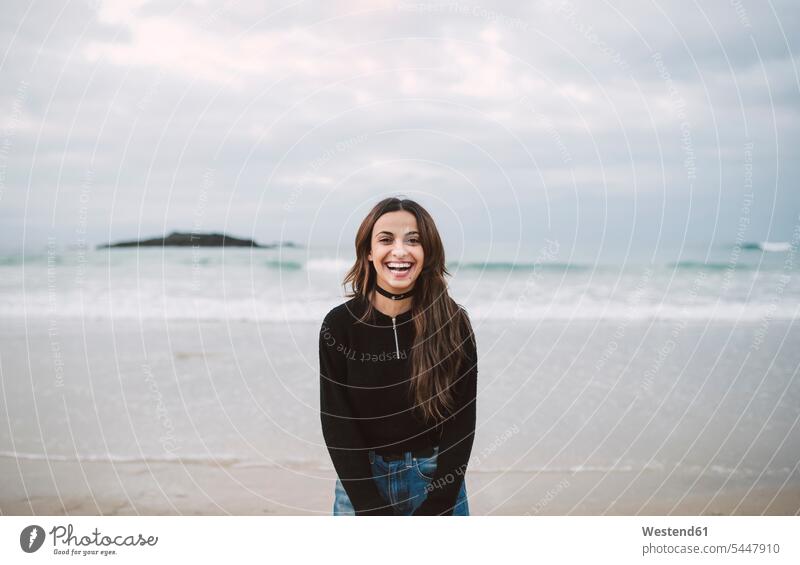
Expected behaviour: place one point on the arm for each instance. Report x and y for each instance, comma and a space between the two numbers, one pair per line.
342, 436
458, 433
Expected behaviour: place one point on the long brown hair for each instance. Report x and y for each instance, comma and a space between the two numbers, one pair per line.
441, 327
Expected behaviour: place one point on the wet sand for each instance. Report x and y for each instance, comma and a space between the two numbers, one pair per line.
216, 419
99, 488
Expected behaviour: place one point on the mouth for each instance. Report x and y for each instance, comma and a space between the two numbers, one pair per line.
399, 269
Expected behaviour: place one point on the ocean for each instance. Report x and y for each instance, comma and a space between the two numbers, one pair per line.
736, 283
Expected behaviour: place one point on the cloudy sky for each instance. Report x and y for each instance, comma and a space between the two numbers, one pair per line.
599, 124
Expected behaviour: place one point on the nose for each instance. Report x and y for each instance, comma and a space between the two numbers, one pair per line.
399, 250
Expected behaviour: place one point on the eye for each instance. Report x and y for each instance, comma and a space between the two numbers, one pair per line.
385, 240
413, 240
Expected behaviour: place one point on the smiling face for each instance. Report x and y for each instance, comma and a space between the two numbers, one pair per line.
396, 242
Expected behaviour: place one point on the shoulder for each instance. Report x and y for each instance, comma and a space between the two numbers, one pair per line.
467, 333
343, 315
464, 318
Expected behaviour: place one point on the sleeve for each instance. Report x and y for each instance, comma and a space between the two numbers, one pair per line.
342, 436
458, 433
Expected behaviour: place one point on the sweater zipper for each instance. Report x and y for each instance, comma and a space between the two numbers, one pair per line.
396, 343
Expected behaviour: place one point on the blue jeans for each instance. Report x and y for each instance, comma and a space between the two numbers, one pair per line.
400, 483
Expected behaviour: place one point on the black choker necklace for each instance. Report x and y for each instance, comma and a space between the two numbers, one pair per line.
388, 294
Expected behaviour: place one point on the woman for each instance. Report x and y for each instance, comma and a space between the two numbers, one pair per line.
398, 374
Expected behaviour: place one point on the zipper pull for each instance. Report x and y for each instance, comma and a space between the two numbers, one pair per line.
396, 343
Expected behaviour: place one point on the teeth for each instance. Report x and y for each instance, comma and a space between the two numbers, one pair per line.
398, 265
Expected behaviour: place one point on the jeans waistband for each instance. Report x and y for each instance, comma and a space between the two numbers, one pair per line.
407, 455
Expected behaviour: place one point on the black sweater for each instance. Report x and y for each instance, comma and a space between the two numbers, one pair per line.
365, 404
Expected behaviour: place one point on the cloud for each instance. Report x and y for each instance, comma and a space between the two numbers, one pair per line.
206, 49
449, 98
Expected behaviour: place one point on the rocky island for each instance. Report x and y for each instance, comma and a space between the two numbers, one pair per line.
189, 239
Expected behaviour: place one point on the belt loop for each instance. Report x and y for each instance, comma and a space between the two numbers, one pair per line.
408, 459
371, 456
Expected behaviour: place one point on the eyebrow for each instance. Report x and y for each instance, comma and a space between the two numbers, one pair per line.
390, 233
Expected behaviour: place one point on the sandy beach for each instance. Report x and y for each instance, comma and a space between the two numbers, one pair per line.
170, 424
80, 489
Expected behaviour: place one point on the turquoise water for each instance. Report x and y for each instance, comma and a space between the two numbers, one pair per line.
728, 283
